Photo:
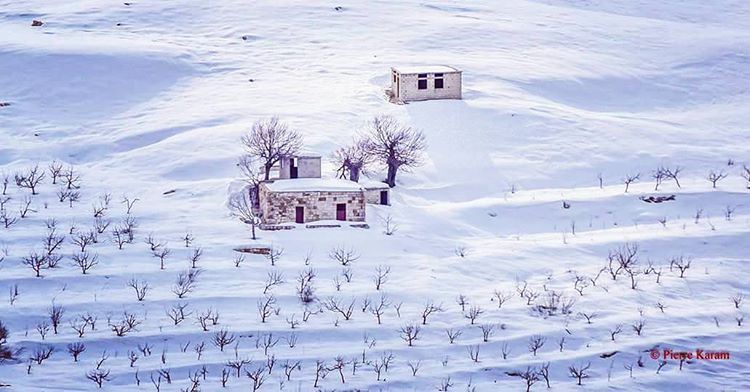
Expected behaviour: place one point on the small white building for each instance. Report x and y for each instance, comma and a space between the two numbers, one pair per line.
421, 83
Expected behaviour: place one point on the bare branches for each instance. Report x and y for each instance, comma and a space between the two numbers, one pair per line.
681, 263
128, 323
343, 255
630, 179
395, 145
36, 262
351, 160
379, 309
269, 140
579, 372
536, 342
429, 309
381, 276
266, 307
141, 288
85, 261
337, 305
242, 206
274, 278
410, 333
529, 376
222, 339
716, 176
76, 349
186, 282
30, 179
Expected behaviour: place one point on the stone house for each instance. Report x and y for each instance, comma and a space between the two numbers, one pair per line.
421, 83
299, 194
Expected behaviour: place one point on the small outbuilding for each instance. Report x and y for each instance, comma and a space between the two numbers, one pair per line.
376, 192
421, 83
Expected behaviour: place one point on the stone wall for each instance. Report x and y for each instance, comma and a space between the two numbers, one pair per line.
408, 90
279, 207
307, 167
372, 195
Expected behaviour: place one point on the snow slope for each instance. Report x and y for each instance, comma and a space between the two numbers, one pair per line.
152, 97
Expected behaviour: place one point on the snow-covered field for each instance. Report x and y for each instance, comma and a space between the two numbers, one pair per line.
149, 97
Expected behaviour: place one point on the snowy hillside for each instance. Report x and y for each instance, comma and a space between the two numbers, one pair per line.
519, 203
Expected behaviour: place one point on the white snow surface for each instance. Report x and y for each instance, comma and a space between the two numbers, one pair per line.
425, 69
149, 99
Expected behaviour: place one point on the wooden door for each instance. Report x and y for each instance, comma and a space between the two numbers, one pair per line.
299, 215
341, 212
384, 198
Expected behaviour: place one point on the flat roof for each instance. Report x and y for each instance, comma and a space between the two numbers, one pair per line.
313, 185
425, 69
373, 184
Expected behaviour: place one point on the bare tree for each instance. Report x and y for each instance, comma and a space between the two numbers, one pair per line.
535, 343
242, 206
613, 332
381, 276
36, 262
258, 376
339, 364
579, 372
487, 331
128, 323
343, 255
737, 300
681, 263
473, 313
30, 179
98, 376
410, 333
222, 339
56, 313
529, 376
473, 352
237, 365
269, 140
638, 326
305, 289
714, 177
380, 308
42, 354
186, 282
140, 288
414, 366
76, 349
630, 179
266, 307
395, 145
178, 314
85, 261
25, 207
352, 159
501, 298
429, 309
274, 278
337, 305
162, 255
7, 219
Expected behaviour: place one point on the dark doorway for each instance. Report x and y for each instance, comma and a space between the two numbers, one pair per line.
299, 215
341, 212
384, 198
293, 172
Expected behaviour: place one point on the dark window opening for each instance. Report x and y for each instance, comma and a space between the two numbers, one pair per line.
293, 172
422, 84
438, 82
421, 75
394, 77
384, 198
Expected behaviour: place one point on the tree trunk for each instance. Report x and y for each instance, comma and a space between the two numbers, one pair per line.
354, 174
253, 225
267, 169
391, 178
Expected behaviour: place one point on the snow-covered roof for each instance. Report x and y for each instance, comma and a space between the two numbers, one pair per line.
313, 185
417, 69
372, 184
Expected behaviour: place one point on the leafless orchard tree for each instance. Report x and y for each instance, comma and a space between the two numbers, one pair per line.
30, 179
536, 342
98, 376
178, 314
410, 333
529, 376
716, 176
630, 179
621, 259
379, 309
186, 282
241, 205
473, 313
501, 297
351, 160
141, 288
381, 276
737, 300
396, 146
128, 323
337, 305
76, 349
56, 313
85, 261
473, 352
429, 309
222, 339
453, 334
258, 376
267, 307
274, 278
579, 372
305, 288
681, 263
588, 316
638, 326
25, 207
269, 140
343, 255
195, 256
487, 331
274, 255
36, 262
613, 332
7, 219
42, 354
162, 254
